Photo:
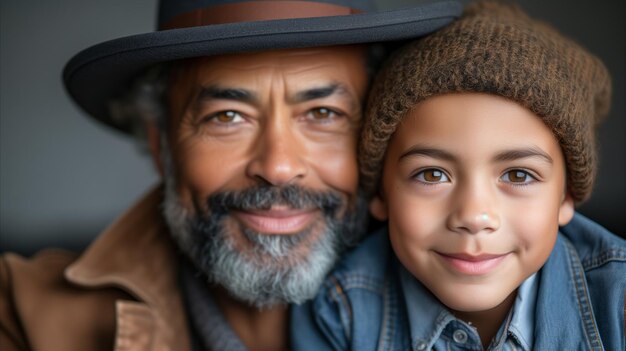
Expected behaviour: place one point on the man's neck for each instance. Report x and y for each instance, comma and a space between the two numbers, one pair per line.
260, 329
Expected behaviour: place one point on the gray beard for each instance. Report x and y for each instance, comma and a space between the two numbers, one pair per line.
270, 272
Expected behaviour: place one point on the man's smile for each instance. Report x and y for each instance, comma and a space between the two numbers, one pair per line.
277, 220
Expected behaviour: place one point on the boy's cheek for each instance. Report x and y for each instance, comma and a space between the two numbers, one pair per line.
566, 210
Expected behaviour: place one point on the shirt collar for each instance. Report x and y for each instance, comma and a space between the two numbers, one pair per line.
212, 331
522, 325
428, 318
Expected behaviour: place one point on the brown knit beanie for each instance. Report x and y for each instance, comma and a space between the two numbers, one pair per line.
495, 48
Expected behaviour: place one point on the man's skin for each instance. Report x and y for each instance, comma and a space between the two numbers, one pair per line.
273, 118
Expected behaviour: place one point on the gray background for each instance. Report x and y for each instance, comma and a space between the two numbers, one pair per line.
63, 177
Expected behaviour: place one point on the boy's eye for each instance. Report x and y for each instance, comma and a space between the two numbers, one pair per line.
517, 176
432, 175
225, 117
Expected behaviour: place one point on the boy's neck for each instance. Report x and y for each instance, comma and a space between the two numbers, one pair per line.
263, 329
488, 322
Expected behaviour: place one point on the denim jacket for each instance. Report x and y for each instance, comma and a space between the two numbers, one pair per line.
580, 298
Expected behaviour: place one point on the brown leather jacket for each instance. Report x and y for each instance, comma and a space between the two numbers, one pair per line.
120, 294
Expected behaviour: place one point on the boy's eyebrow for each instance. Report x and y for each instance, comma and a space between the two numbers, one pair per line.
508, 155
418, 150
516, 154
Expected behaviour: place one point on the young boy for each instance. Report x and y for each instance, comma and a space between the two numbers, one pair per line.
478, 143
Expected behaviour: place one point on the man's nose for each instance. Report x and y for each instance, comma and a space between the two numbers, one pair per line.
474, 209
278, 158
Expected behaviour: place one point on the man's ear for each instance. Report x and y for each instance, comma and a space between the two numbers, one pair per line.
154, 143
566, 209
378, 208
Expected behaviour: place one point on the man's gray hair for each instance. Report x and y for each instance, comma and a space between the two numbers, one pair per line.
144, 102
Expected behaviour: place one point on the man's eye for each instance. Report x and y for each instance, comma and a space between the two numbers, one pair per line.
226, 117
432, 175
517, 176
322, 113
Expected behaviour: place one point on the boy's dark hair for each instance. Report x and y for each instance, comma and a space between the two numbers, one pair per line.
495, 48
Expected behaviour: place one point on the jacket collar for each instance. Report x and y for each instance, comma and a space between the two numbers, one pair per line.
564, 313
135, 254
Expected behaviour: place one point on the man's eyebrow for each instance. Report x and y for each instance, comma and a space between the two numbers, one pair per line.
319, 92
516, 154
418, 150
222, 93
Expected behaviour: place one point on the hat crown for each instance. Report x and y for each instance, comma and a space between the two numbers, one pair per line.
495, 48
169, 10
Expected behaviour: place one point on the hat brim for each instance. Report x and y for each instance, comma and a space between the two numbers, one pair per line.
101, 72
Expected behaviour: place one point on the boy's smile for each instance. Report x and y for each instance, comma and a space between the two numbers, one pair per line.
468, 264
474, 190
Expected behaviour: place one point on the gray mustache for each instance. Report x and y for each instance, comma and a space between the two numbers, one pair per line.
264, 197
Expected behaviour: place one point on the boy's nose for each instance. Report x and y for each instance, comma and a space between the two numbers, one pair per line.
475, 211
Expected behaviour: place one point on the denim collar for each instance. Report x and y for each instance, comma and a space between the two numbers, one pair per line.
429, 320
563, 298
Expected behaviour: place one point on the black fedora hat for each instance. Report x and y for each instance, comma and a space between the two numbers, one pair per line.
194, 28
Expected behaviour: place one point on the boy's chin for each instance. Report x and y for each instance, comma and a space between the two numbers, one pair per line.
474, 299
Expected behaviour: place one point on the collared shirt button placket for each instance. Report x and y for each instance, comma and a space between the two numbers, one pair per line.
421, 346
459, 336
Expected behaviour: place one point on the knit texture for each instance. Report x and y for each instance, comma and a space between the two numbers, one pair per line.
495, 48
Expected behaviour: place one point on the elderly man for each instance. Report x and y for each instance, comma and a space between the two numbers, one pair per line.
251, 112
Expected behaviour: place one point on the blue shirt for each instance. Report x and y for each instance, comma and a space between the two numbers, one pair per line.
577, 304
433, 327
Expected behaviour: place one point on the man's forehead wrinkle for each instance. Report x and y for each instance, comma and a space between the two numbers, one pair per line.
315, 75
284, 64
293, 77
302, 71
250, 92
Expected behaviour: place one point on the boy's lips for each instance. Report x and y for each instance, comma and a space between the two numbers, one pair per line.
277, 220
472, 264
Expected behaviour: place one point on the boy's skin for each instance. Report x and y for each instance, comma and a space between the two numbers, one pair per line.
473, 188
